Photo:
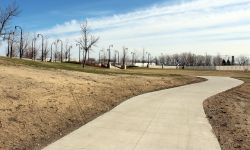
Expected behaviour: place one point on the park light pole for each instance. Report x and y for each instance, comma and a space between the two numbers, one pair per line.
61, 48
40, 35
51, 50
109, 54
33, 48
21, 42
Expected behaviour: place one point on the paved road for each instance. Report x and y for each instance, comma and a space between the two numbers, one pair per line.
171, 119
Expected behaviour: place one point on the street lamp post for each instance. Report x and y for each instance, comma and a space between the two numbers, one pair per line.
61, 48
109, 54
33, 48
40, 35
21, 42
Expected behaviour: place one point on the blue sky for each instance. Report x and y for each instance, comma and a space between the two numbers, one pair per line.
159, 26
39, 14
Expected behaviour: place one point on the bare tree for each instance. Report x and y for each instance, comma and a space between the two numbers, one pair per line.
176, 59
190, 59
162, 59
86, 41
169, 60
208, 60
217, 60
10, 44
200, 60
9, 38
6, 15
46, 49
242, 60
27, 49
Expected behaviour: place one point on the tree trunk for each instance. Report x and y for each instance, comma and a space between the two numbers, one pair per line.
85, 57
11, 50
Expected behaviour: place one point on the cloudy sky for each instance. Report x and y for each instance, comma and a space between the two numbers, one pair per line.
158, 26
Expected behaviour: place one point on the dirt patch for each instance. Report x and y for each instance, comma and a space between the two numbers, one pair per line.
40, 106
229, 115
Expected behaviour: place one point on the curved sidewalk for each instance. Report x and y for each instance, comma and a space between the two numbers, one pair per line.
171, 119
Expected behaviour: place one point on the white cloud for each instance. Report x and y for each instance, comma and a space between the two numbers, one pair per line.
213, 26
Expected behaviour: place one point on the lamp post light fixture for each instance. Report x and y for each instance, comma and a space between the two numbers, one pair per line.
21, 42
61, 48
40, 35
33, 48
109, 54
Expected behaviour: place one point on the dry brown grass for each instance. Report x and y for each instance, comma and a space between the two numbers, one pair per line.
229, 115
39, 106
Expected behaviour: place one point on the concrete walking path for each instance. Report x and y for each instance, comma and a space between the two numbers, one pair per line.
171, 119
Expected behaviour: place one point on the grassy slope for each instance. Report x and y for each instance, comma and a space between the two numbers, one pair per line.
214, 109
35, 110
